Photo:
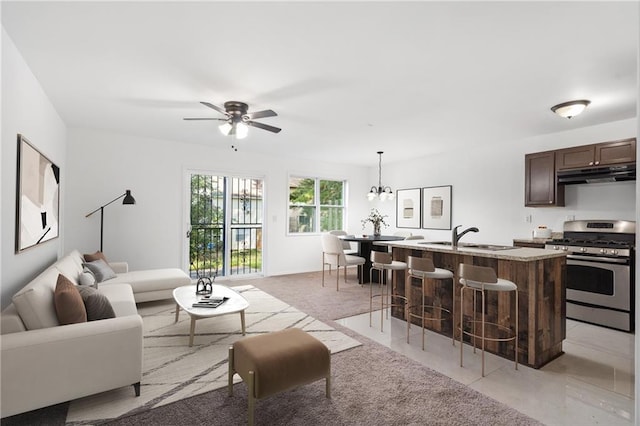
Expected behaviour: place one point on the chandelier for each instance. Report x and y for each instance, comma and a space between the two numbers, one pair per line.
380, 192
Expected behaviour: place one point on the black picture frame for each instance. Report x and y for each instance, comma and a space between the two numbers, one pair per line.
37, 197
436, 207
408, 208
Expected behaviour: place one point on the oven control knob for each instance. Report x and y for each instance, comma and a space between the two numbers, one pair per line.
613, 252
603, 251
583, 249
564, 248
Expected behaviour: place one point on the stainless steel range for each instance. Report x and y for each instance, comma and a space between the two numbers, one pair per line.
600, 271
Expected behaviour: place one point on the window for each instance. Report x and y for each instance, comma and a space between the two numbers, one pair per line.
315, 205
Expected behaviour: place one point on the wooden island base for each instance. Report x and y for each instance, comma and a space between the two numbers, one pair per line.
541, 297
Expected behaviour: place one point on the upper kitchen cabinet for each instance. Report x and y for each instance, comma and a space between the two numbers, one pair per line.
618, 152
600, 154
541, 187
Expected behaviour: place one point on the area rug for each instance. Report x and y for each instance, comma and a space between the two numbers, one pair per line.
174, 371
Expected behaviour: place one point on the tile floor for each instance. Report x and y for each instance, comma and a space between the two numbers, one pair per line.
592, 383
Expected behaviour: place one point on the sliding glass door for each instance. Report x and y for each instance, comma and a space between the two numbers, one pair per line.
225, 229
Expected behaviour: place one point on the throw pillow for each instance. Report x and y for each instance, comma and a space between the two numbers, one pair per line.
97, 305
95, 256
87, 278
68, 302
100, 270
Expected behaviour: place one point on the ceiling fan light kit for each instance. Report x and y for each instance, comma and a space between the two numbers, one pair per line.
571, 108
381, 192
238, 119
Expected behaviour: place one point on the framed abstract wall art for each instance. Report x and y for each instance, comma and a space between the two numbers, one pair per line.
38, 197
436, 207
408, 208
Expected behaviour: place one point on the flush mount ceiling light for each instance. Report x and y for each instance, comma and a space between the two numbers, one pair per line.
380, 192
571, 108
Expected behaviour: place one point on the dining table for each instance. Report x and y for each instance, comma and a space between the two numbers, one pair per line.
365, 246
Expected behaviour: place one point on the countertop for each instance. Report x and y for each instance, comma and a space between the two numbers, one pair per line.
518, 254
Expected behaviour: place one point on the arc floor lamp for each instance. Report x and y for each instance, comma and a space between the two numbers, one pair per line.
128, 199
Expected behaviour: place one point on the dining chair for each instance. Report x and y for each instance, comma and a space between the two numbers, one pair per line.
333, 255
403, 234
346, 245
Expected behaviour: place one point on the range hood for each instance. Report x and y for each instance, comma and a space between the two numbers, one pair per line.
597, 174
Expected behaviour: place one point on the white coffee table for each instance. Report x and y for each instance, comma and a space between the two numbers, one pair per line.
186, 296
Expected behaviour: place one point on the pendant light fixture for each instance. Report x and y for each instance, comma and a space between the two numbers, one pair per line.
380, 192
571, 108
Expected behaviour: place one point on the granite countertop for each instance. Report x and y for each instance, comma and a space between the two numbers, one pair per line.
525, 254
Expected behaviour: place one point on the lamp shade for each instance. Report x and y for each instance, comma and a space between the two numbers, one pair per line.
128, 198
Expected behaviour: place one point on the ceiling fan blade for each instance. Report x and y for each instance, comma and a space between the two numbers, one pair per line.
204, 118
263, 126
217, 108
260, 114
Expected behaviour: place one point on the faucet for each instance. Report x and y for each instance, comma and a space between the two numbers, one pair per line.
455, 237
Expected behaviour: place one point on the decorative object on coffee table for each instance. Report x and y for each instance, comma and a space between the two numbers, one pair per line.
128, 199
185, 298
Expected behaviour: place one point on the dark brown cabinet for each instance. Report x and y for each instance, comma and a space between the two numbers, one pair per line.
618, 152
541, 187
600, 154
528, 244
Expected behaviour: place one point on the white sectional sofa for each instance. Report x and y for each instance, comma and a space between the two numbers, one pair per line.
45, 363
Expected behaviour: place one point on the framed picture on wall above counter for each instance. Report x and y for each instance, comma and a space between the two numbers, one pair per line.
408, 208
436, 207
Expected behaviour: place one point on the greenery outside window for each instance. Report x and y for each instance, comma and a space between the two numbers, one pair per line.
315, 205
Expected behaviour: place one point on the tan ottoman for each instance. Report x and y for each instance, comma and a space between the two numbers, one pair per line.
278, 361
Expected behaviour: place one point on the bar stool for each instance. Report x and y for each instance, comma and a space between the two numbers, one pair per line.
423, 269
382, 262
480, 279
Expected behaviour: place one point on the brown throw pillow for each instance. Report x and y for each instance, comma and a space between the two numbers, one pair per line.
68, 302
97, 305
95, 256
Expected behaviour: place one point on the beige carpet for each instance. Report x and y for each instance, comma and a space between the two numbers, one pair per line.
174, 371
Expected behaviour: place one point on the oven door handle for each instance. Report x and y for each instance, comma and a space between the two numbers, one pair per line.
597, 259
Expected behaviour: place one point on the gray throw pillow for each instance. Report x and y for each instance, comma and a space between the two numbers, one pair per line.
96, 304
100, 269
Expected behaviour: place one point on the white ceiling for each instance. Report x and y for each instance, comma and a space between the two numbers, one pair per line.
346, 79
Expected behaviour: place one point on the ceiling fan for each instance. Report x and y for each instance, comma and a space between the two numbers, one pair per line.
238, 118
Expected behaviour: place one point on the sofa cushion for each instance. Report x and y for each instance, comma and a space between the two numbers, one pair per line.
68, 302
95, 256
35, 302
87, 278
101, 270
96, 304
70, 266
153, 279
121, 298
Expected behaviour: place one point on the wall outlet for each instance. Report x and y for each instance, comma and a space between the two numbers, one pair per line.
570, 217
528, 218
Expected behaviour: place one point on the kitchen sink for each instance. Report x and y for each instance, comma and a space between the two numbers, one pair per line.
490, 247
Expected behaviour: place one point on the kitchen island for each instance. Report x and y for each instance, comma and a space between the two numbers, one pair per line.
539, 275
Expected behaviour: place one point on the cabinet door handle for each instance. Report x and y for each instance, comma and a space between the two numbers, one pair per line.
591, 163
597, 162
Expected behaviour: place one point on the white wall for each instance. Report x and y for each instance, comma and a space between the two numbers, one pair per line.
151, 234
488, 186
27, 110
